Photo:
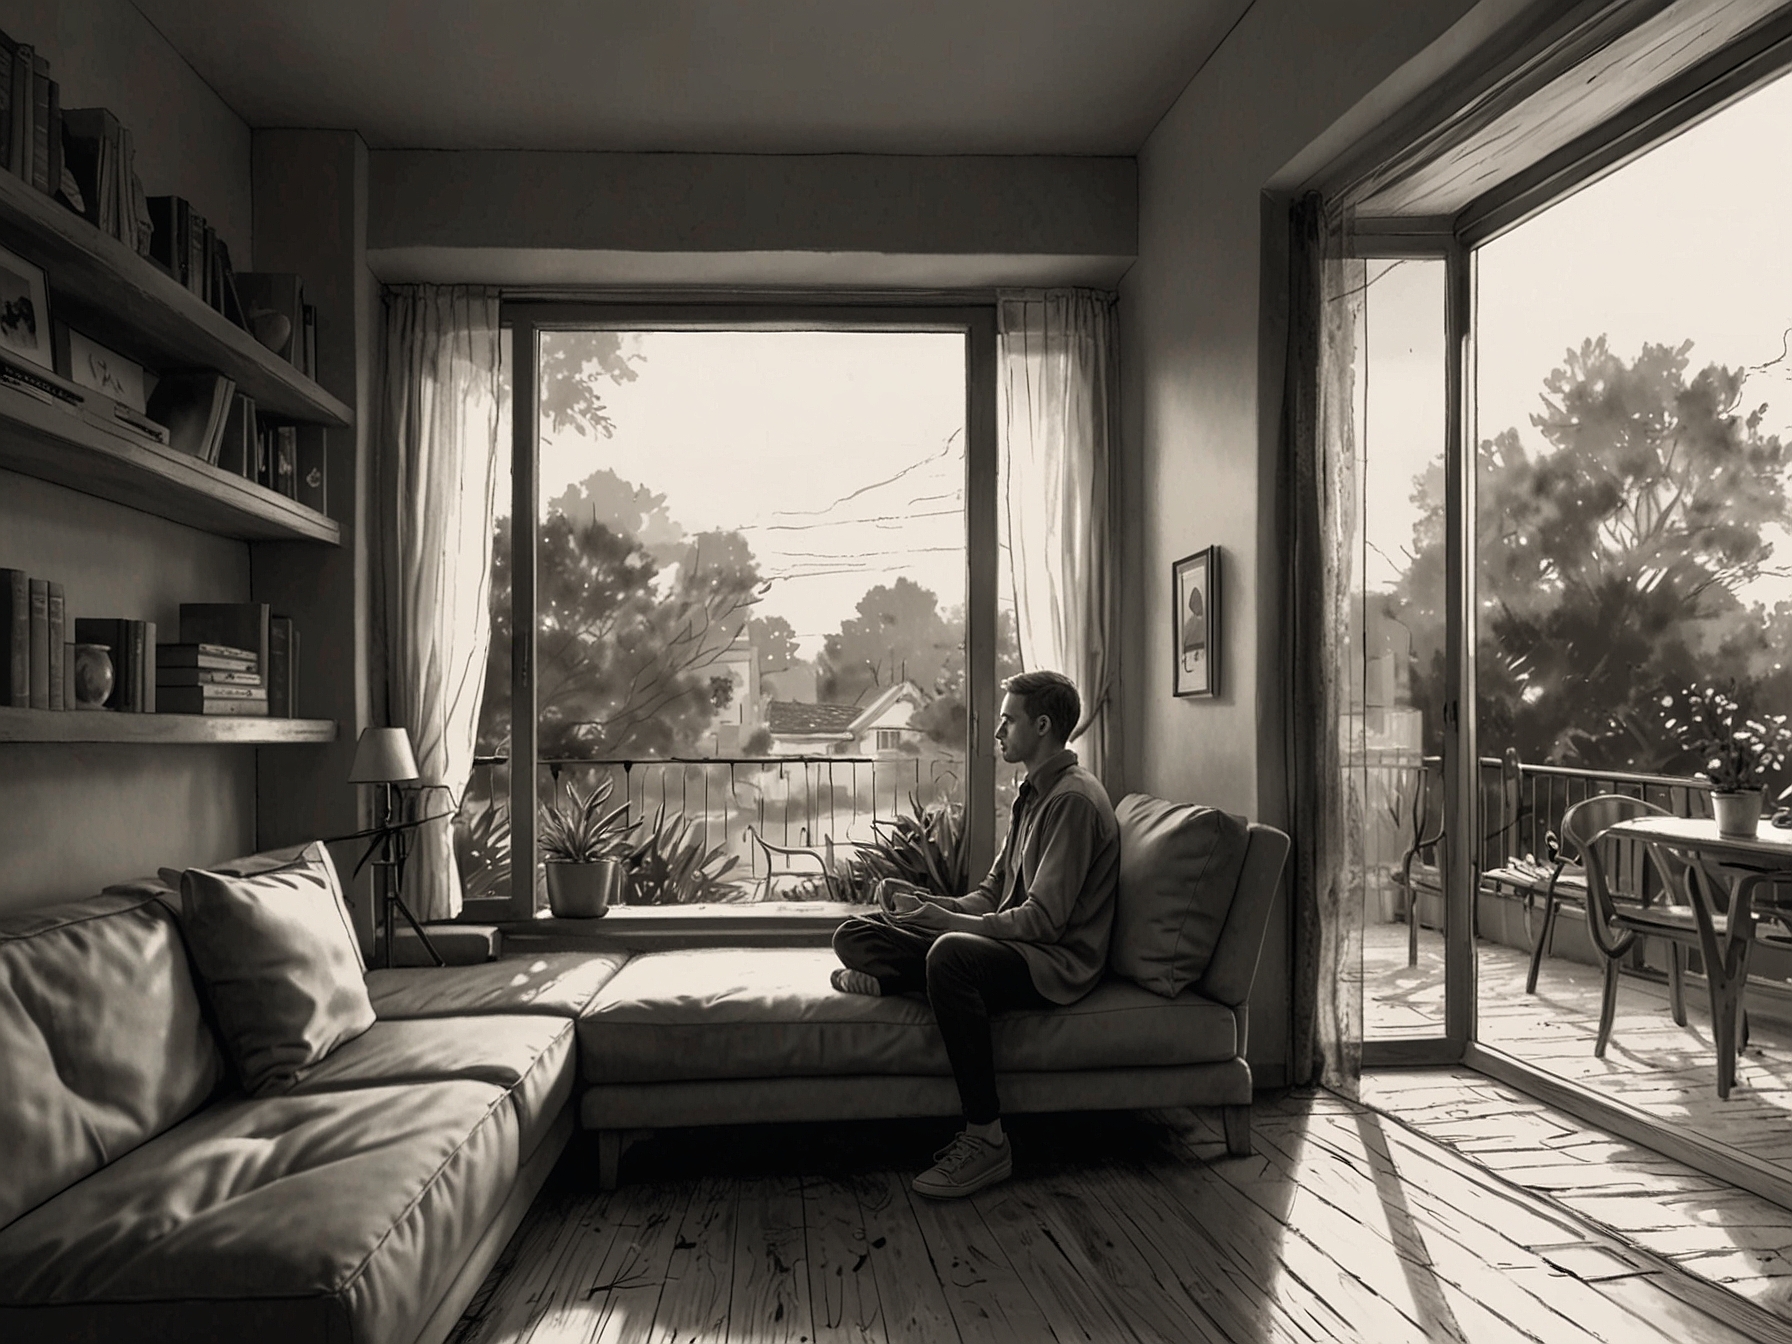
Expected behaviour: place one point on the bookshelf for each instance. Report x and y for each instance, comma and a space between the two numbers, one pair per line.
104, 289
98, 725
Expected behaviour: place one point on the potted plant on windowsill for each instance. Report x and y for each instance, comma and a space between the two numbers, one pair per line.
584, 850
1738, 754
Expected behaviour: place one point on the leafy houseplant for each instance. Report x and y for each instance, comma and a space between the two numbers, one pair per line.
1739, 754
669, 865
585, 851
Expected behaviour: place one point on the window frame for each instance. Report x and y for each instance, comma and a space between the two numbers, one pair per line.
527, 318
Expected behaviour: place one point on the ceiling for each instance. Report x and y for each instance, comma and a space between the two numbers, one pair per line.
741, 76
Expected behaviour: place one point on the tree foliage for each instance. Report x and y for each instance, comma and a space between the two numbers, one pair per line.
574, 366
1611, 561
897, 634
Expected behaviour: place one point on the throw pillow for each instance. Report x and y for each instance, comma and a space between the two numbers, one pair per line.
1179, 866
313, 855
280, 967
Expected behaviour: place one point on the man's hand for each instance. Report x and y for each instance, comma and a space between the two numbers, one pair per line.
899, 897
931, 918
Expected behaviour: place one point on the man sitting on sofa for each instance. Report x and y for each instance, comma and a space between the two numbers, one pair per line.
1032, 934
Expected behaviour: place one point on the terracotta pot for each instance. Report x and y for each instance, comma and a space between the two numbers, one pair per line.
584, 890
1738, 814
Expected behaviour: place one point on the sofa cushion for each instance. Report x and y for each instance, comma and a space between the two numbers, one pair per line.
279, 967
1179, 866
529, 1057
771, 1012
349, 1212
87, 1076
559, 983
312, 856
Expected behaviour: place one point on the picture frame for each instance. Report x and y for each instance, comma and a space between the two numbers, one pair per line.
87, 363
1195, 623
25, 312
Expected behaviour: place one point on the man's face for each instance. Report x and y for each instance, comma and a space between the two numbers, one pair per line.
1017, 737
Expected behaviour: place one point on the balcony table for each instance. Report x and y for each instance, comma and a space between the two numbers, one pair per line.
1751, 863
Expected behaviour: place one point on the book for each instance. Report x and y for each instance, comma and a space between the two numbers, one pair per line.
207, 691
68, 677
143, 650
91, 138
240, 625
230, 302
236, 450
57, 636
309, 367
8, 49
280, 662
169, 674
210, 657
195, 262
18, 158
40, 644
192, 700
312, 468
268, 294
53, 172
193, 406
286, 460
38, 160
15, 630
167, 236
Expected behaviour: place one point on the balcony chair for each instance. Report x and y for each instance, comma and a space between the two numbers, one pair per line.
1620, 911
1416, 875
1556, 880
783, 861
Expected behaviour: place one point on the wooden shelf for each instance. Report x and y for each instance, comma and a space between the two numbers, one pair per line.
53, 445
105, 290
100, 725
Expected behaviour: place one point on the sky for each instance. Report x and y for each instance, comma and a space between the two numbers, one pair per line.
1689, 241
839, 456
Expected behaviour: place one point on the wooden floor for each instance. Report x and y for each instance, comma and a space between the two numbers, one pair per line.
1345, 1225
1668, 1072
1727, 1236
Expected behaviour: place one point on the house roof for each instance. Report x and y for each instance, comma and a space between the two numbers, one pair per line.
792, 718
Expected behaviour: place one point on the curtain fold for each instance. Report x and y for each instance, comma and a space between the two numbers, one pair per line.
438, 459
1058, 389
1325, 292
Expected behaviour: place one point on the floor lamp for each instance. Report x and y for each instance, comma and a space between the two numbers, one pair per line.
383, 756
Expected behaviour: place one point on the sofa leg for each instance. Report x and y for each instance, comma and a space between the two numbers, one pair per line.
609, 1157
1238, 1130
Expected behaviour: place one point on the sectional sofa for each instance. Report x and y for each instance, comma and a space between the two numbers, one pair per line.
150, 1193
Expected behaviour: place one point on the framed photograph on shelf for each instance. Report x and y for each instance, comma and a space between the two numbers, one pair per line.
25, 311
94, 367
1195, 603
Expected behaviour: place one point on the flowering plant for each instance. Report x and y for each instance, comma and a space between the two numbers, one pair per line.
1738, 756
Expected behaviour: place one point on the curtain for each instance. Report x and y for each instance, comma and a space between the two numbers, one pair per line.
1318, 490
1058, 362
438, 474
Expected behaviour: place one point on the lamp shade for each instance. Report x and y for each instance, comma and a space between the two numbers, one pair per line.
383, 756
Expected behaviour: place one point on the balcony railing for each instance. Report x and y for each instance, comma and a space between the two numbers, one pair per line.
790, 801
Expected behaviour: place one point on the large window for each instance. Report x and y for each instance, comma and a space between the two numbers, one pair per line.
753, 621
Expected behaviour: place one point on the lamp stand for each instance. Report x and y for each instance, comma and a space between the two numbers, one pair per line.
387, 870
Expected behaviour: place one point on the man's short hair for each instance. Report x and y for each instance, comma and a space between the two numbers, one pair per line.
1049, 693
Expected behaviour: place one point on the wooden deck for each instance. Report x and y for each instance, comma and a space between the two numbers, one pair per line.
1665, 1071
1345, 1225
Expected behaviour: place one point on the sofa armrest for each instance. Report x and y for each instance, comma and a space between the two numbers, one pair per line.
1229, 974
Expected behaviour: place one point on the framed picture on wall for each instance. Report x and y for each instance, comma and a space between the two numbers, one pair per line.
1195, 602
24, 311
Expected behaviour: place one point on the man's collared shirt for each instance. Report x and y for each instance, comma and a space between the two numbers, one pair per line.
1051, 890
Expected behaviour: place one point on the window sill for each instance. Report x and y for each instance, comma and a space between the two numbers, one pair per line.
648, 928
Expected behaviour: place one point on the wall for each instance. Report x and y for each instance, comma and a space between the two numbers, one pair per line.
1201, 342
516, 217
73, 818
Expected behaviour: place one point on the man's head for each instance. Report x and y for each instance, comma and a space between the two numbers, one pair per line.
1039, 712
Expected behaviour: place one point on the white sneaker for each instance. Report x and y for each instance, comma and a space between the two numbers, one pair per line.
965, 1166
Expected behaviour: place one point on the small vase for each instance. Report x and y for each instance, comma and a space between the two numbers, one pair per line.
584, 890
1738, 814
93, 675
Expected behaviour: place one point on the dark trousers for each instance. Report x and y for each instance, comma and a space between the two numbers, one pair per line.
966, 978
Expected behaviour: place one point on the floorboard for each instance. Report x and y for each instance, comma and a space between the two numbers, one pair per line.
1348, 1223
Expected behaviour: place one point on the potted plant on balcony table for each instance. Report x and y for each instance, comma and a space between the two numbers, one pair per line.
1739, 754
585, 850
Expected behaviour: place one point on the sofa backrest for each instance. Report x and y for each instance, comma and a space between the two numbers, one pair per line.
102, 1041
1233, 965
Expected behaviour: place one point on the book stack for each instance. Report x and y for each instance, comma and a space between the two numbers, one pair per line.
33, 621
210, 679
32, 143
189, 249
133, 651
102, 162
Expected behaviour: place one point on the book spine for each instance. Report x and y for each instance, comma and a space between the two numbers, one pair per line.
55, 174
310, 340
279, 684
196, 252
57, 635
286, 458
313, 459
8, 51
146, 667
19, 153
15, 624
40, 644
40, 123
